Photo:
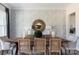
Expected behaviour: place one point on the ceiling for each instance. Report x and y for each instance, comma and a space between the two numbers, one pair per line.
36, 5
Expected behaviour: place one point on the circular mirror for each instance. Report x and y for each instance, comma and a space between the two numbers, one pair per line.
38, 25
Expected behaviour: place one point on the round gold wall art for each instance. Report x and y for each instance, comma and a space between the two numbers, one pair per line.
38, 25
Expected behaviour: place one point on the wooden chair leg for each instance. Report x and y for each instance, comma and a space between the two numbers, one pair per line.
49, 52
44, 53
60, 53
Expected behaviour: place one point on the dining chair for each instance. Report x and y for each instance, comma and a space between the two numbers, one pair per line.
54, 46
5, 46
70, 47
24, 46
39, 46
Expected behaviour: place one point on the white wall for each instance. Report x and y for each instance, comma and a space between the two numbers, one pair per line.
21, 20
69, 10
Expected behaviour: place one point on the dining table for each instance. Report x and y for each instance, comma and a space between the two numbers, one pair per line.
15, 40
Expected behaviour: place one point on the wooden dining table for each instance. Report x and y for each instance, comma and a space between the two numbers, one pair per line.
17, 39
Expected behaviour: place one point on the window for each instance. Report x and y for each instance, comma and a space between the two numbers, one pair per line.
4, 21
3, 27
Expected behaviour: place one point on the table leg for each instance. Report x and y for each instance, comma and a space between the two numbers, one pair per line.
16, 48
2, 52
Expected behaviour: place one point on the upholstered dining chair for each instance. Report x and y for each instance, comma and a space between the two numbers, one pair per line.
24, 46
70, 47
54, 46
5, 46
39, 46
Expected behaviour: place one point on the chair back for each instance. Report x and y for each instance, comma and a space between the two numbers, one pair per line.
24, 46
54, 45
40, 44
4, 45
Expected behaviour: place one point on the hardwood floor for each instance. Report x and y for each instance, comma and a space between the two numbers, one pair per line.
63, 53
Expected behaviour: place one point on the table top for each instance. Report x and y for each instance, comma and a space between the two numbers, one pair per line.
16, 39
